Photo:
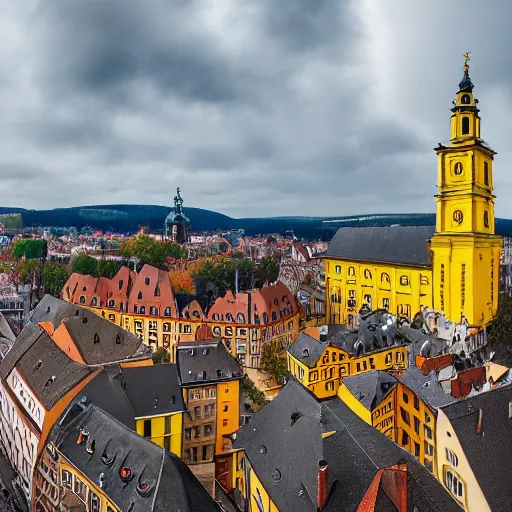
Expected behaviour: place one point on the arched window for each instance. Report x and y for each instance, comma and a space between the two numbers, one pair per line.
367, 274
486, 173
82, 299
167, 311
465, 125
351, 271
94, 302
265, 318
404, 281
384, 278
465, 100
274, 316
111, 303
143, 310
153, 311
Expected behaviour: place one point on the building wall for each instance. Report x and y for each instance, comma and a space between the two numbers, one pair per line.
243, 341
228, 412
384, 415
323, 379
259, 500
166, 430
399, 289
200, 423
472, 499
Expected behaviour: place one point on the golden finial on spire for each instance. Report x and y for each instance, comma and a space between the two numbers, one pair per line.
467, 57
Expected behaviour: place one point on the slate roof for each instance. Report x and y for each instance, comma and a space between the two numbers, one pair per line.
306, 349
106, 391
426, 387
98, 340
172, 486
48, 371
284, 445
370, 387
489, 453
153, 390
210, 357
406, 245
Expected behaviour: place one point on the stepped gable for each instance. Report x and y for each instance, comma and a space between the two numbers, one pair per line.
404, 245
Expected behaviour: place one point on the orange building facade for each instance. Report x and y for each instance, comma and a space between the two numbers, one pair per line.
145, 305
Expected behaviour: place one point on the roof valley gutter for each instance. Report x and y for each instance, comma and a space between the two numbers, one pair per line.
158, 481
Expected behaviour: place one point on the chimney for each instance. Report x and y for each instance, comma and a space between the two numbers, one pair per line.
322, 484
480, 417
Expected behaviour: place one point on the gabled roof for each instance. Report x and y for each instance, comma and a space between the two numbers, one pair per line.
427, 387
98, 340
290, 436
490, 452
153, 390
370, 387
406, 245
307, 349
49, 372
170, 485
206, 361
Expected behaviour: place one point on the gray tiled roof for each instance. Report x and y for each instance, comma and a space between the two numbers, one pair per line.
405, 245
369, 387
49, 372
284, 445
426, 387
153, 390
172, 486
210, 357
489, 453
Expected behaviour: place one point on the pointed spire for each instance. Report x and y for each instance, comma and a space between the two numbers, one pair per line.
466, 85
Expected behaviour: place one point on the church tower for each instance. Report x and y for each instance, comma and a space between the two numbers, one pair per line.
465, 249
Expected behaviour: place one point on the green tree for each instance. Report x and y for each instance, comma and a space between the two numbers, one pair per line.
500, 329
150, 251
161, 356
256, 397
108, 268
27, 269
268, 269
274, 364
55, 276
30, 248
85, 265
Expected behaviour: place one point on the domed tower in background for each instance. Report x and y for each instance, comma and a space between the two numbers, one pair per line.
177, 227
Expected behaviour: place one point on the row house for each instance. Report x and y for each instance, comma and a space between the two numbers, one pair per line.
145, 305
210, 380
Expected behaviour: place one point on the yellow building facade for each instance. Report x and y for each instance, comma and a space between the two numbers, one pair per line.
323, 377
164, 430
453, 267
466, 250
403, 417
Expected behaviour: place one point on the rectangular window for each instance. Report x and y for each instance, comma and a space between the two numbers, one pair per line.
428, 432
197, 413
416, 402
224, 423
194, 454
416, 449
147, 428
405, 397
195, 394
205, 453
454, 484
188, 434
358, 367
429, 465
329, 386
80, 489
94, 502
429, 449
186, 455
405, 416
210, 393
416, 425
197, 432
208, 429
314, 375
452, 458
372, 363
405, 438
67, 479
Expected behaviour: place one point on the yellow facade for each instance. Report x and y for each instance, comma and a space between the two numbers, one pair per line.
228, 412
464, 277
466, 250
243, 341
165, 430
402, 290
454, 470
404, 418
323, 379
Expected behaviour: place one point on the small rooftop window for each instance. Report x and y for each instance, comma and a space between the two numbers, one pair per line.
48, 310
276, 475
96, 338
50, 381
147, 281
263, 449
305, 352
294, 417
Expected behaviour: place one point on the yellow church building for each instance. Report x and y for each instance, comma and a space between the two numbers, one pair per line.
452, 267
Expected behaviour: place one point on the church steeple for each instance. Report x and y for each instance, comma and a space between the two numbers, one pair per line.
465, 122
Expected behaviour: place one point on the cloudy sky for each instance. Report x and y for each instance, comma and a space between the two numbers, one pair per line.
252, 107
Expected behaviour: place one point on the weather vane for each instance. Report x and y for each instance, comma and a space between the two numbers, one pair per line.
467, 57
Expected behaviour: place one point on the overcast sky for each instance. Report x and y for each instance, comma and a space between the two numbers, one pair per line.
254, 108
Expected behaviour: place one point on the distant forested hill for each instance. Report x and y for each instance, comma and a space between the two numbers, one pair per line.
128, 219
